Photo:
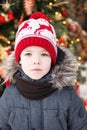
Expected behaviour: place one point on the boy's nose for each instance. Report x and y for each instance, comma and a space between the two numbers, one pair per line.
36, 61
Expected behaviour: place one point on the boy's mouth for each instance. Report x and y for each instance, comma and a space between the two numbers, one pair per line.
36, 69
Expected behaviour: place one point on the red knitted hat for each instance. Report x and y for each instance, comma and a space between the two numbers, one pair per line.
36, 31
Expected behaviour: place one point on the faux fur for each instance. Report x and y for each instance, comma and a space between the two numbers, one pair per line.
66, 73
62, 75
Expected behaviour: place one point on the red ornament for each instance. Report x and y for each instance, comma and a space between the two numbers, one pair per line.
2, 19
7, 83
77, 88
64, 12
61, 41
8, 50
10, 15
85, 102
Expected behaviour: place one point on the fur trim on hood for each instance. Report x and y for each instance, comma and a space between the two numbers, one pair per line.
63, 74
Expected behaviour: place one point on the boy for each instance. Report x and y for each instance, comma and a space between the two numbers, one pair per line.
42, 96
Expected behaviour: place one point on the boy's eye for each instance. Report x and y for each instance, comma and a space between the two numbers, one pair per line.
45, 54
28, 54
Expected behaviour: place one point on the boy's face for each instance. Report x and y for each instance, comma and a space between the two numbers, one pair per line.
35, 62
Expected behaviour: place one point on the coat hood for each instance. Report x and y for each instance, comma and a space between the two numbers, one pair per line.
63, 74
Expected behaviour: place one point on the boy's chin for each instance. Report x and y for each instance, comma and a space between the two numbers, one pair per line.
36, 78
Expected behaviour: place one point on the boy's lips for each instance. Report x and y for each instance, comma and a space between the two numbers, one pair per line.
36, 69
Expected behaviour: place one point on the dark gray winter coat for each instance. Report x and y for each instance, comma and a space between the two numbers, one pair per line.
62, 110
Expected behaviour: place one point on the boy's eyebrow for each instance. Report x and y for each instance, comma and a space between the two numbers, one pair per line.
28, 50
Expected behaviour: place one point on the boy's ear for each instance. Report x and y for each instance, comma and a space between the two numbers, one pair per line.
20, 62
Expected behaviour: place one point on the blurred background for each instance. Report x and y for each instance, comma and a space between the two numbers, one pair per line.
69, 18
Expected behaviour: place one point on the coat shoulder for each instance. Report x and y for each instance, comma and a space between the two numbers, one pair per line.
10, 96
68, 97
10, 91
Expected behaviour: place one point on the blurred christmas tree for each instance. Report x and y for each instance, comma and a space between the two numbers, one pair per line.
68, 18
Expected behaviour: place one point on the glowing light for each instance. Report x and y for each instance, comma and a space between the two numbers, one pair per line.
75, 81
59, 14
51, 21
77, 39
72, 42
64, 22
50, 4
79, 58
